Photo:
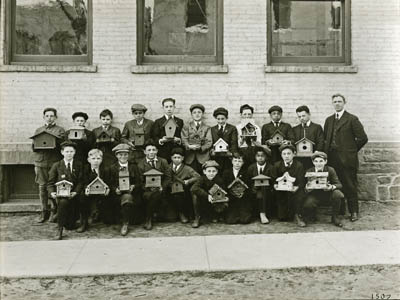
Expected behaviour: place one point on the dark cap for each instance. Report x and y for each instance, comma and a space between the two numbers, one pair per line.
319, 154
209, 164
121, 148
140, 107
275, 108
199, 106
68, 144
220, 111
287, 146
80, 114
178, 150
246, 106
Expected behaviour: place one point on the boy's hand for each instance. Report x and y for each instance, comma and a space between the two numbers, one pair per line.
328, 188
177, 140
117, 191
186, 182
294, 190
210, 198
53, 195
162, 140
307, 190
212, 152
130, 144
87, 190
72, 195
107, 191
160, 188
257, 143
132, 187
269, 142
194, 147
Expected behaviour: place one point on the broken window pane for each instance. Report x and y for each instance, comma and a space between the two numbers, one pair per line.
306, 28
46, 27
180, 27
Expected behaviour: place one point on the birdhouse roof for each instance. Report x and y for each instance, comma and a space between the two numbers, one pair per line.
170, 120
261, 177
221, 141
215, 188
153, 172
287, 177
317, 174
97, 179
239, 181
277, 132
305, 139
77, 128
45, 132
64, 182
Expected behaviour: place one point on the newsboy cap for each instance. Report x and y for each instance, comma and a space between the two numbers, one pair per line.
178, 150
199, 106
121, 148
220, 111
287, 146
275, 108
80, 114
209, 164
246, 106
140, 107
319, 154
68, 144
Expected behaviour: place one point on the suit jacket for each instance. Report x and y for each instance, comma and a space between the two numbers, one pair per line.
161, 165
89, 175
313, 132
296, 170
83, 146
350, 138
268, 130
46, 158
252, 171
128, 132
189, 131
184, 173
108, 156
228, 177
203, 185
135, 178
229, 135
332, 176
59, 172
158, 132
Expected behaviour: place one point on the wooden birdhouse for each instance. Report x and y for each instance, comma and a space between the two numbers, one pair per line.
44, 141
218, 194
138, 138
237, 187
220, 146
104, 137
177, 186
195, 140
76, 133
304, 147
123, 178
153, 178
285, 183
64, 188
277, 137
317, 180
261, 180
97, 187
249, 131
170, 128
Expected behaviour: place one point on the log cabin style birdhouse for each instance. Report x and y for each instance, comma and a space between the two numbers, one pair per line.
317, 180
261, 180
123, 179
170, 128
218, 194
76, 133
44, 141
277, 137
304, 147
153, 178
220, 146
285, 183
97, 187
64, 188
138, 137
104, 137
237, 187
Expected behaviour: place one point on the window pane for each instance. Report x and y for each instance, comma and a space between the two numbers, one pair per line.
180, 27
306, 28
46, 27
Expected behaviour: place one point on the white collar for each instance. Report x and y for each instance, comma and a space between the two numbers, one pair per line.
105, 127
155, 159
261, 166
223, 126
340, 113
287, 165
176, 167
66, 163
235, 172
279, 122
125, 165
308, 123
140, 122
167, 117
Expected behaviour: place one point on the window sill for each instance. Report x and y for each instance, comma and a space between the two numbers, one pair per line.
174, 69
311, 69
49, 68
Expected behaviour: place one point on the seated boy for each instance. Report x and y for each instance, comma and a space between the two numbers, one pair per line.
128, 199
91, 204
240, 206
289, 202
262, 194
182, 177
153, 196
331, 192
70, 170
201, 197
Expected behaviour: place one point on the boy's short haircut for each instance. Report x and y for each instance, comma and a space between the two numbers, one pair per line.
50, 109
150, 142
80, 114
168, 99
68, 144
237, 154
105, 113
177, 150
94, 152
339, 95
261, 149
303, 108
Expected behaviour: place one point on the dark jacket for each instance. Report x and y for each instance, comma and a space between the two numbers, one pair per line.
229, 135
296, 170
228, 177
89, 175
134, 178
332, 176
161, 165
252, 171
83, 146
158, 132
59, 172
128, 133
313, 132
268, 130
201, 187
184, 172
115, 133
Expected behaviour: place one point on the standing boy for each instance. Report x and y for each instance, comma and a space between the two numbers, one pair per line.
247, 127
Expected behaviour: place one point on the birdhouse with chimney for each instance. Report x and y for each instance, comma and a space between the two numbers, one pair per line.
261, 180
249, 131
64, 188
153, 178
97, 187
285, 183
104, 137
218, 194
76, 133
123, 179
170, 128
44, 140
220, 146
317, 180
138, 137
277, 137
237, 187
304, 147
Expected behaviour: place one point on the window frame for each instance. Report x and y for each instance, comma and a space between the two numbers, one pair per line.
344, 59
217, 59
10, 58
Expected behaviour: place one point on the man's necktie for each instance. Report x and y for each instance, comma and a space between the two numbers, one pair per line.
260, 170
152, 163
197, 126
221, 131
276, 124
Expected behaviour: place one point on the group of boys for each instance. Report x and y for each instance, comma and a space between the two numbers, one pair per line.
174, 171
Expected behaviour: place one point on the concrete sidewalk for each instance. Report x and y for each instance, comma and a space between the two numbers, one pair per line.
197, 253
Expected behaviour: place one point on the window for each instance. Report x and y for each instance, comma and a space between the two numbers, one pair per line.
308, 32
179, 32
48, 32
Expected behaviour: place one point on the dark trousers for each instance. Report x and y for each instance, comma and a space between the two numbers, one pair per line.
42, 178
313, 199
306, 162
203, 208
275, 154
289, 204
263, 200
90, 204
152, 201
66, 208
224, 162
348, 178
195, 165
129, 206
182, 203
239, 210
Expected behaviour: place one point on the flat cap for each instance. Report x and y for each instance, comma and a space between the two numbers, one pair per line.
275, 108
220, 111
168, 99
287, 146
210, 163
80, 114
178, 150
199, 106
139, 107
68, 144
319, 154
246, 106
121, 148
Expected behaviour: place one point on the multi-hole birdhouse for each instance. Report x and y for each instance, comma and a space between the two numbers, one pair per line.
97, 187
170, 128
123, 178
317, 180
76, 133
153, 178
138, 137
261, 180
304, 147
237, 187
64, 188
277, 137
220, 146
218, 194
44, 140
249, 131
104, 137
285, 183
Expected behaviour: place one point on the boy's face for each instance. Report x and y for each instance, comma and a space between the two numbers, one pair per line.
122, 157
338, 103
246, 114
261, 157
197, 114
150, 152
210, 172
319, 163
68, 153
49, 117
80, 121
177, 159
138, 115
95, 160
303, 116
106, 120
169, 108
221, 119
275, 116
237, 163
287, 155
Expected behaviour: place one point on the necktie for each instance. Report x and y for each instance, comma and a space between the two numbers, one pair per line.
220, 131
260, 170
152, 163
95, 172
337, 116
276, 124
175, 167
197, 126
69, 168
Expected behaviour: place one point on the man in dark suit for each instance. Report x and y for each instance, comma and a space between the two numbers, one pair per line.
344, 137
164, 144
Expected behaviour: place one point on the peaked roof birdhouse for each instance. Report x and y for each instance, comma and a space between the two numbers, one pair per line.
304, 147
138, 137
153, 178
64, 188
177, 186
123, 179
104, 137
261, 180
249, 130
237, 187
220, 146
170, 128
76, 133
317, 180
285, 183
44, 140
97, 187
218, 194
277, 137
